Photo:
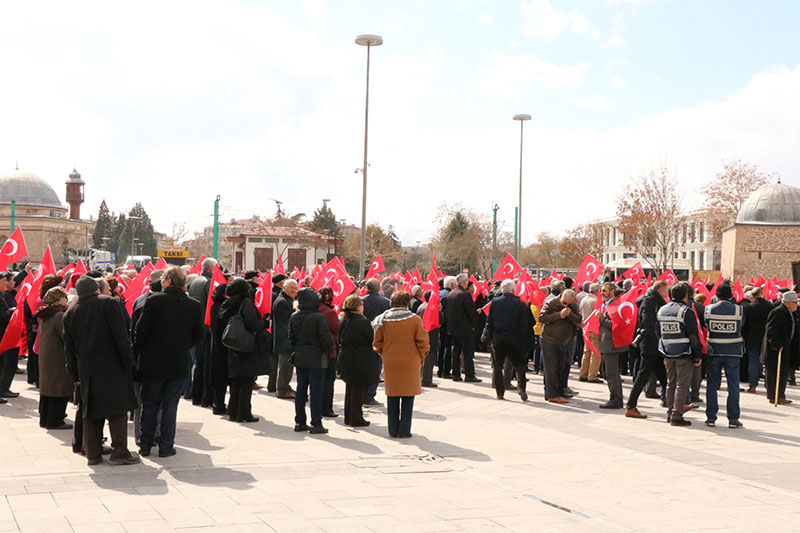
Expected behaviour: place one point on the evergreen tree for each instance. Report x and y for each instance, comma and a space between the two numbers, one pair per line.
103, 228
143, 230
116, 230
324, 221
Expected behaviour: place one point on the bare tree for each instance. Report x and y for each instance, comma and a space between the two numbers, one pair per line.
649, 216
544, 253
579, 241
728, 191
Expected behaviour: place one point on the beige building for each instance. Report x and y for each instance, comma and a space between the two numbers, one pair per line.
765, 238
258, 247
42, 217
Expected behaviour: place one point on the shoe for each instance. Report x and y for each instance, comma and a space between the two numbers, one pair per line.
457, 378
688, 407
430, 385
92, 462
609, 405
680, 422
330, 415
653, 396
501, 397
256, 386
523, 395
249, 419
318, 430
169, 452
663, 403
473, 379
131, 459
710, 423
3, 400
206, 405
438, 373
144, 453
406, 436
196, 402
62, 426
596, 380
751, 390
558, 400
566, 394
106, 450
447, 375
784, 401
735, 424
9, 394
583, 379
373, 403
220, 410
570, 391
698, 400
362, 424
507, 386
669, 419
187, 396
393, 435
285, 395
633, 412
299, 428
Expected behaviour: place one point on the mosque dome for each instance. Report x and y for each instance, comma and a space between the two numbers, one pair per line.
27, 189
776, 204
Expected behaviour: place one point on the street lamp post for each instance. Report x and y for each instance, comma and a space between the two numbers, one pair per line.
522, 119
369, 41
133, 246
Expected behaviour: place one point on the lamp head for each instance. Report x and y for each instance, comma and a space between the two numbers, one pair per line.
369, 40
522, 117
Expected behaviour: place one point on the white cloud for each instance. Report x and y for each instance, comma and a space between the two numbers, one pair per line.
543, 20
316, 9
580, 24
484, 19
618, 83
591, 102
512, 75
615, 41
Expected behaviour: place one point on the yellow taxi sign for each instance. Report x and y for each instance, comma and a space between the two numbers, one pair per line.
173, 254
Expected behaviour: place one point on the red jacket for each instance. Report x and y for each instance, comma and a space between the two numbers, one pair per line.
333, 324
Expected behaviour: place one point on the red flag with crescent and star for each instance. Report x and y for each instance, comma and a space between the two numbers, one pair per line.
634, 272
623, 313
592, 325
738, 292
46, 267
507, 269
713, 291
263, 298
217, 279
279, 266
430, 318
589, 270
79, 270
375, 268
140, 285
13, 249
122, 286
161, 264
668, 276
66, 269
13, 336
198, 267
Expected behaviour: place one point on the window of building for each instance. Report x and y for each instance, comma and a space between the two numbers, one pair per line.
677, 255
702, 233
701, 260
759, 256
691, 261
692, 232
684, 255
629, 255
254, 239
615, 256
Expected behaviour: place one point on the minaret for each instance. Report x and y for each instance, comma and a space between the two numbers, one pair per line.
74, 194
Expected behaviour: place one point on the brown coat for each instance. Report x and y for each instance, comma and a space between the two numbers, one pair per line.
54, 378
403, 345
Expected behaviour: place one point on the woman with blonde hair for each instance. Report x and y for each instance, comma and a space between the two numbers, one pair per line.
358, 366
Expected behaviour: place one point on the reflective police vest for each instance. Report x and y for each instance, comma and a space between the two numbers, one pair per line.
724, 322
674, 340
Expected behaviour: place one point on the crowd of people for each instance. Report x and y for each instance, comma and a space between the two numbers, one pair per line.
85, 346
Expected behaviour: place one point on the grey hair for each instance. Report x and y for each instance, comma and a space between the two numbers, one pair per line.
208, 264
290, 282
507, 286
594, 288
568, 293
449, 281
102, 284
557, 286
416, 290
461, 278
374, 284
587, 286
627, 284
175, 276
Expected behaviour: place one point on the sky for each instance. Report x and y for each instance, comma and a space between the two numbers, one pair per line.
173, 103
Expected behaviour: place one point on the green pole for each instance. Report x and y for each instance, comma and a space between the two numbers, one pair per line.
13, 213
216, 228
516, 236
495, 207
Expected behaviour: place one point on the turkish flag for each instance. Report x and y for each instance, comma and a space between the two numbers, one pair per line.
669, 276
592, 325
589, 270
328, 275
485, 309
713, 291
217, 279
66, 269
623, 313
760, 281
525, 287
507, 269
771, 291
634, 272
77, 272
122, 286
647, 283
556, 275
14, 249
700, 288
430, 318
738, 292
478, 288
198, 267
279, 266
408, 282
432, 283
46, 267
161, 264
701, 332
138, 286
263, 298
343, 287
375, 268
13, 336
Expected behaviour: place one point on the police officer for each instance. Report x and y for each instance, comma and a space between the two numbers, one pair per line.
680, 346
724, 321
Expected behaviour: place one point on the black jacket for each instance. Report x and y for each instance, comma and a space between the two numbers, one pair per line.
358, 365
508, 321
311, 340
780, 328
755, 322
240, 364
374, 305
170, 325
99, 356
462, 318
282, 310
415, 303
647, 321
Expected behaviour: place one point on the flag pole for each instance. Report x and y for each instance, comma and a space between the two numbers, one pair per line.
778, 376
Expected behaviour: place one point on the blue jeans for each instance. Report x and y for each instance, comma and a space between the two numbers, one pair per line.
399, 415
313, 378
164, 394
715, 364
754, 366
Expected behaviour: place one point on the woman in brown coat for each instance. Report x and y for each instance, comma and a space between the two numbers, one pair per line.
55, 385
402, 342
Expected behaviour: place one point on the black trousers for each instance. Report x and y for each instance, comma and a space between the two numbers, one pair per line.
93, 436
202, 390
399, 409
32, 368
353, 401
512, 351
219, 396
649, 364
8, 368
463, 346
771, 374
52, 411
327, 392
445, 353
239, 403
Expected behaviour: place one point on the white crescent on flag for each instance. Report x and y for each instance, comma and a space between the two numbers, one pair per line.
339, 287
623, 306
591, 268
508, 268
259, 297
14, 247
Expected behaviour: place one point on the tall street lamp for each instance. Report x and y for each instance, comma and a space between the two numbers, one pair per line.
522, 119
369, 41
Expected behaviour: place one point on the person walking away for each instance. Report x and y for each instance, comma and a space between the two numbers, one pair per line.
402, 342
55, 385
357, 364
724, 321
509, 332
779, 333
100, 361
282, 311
753, 330
652, 362
326, 308
312, 344
680, 346
462, 320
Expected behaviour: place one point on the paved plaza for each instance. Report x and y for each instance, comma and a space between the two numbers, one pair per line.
474, 463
